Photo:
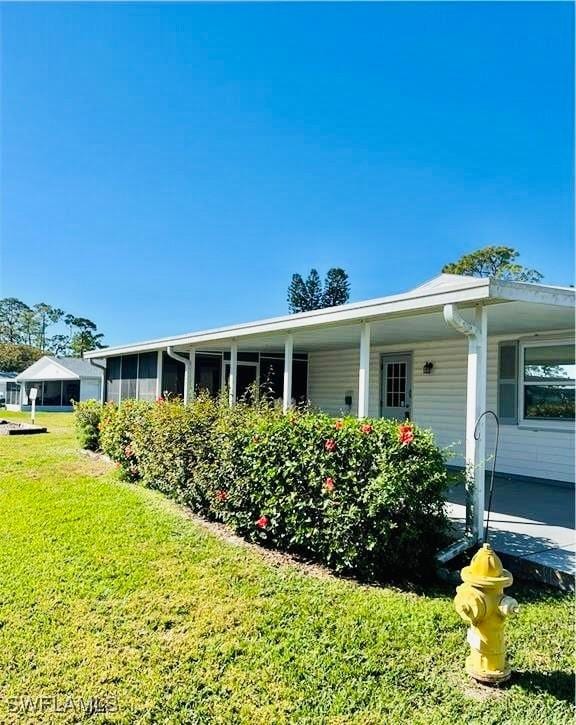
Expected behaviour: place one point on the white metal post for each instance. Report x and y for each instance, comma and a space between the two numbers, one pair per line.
233, 373
364, 373
190, 389
159, 374
288, 357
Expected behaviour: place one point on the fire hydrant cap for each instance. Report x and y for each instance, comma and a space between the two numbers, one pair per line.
486, 569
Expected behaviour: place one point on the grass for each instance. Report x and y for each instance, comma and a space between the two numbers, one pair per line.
109, 591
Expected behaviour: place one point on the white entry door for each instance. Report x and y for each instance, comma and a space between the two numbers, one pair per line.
396, 386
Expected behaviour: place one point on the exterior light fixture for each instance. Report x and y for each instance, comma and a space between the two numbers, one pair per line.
427, 369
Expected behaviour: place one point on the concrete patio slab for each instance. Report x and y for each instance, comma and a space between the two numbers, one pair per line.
531, 523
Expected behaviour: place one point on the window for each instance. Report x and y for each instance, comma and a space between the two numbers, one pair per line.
547, 380
12, 393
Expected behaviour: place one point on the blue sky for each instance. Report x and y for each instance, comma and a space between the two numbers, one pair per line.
168, 167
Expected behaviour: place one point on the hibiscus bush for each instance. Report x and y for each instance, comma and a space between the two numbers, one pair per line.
361, 496
87, 419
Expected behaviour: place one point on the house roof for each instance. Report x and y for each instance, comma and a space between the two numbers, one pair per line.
7, 376
62, 368
430, 296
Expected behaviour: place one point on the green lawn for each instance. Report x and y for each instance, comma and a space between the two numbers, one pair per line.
107, 590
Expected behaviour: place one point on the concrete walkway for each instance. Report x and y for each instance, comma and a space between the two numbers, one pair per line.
531, 522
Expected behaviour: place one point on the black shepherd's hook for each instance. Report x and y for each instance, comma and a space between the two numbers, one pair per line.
477, 437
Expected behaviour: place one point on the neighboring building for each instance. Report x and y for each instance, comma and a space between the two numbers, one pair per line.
8, 387
440, 354
59, 381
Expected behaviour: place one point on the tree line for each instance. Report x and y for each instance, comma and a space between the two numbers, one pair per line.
492, 261
29, 331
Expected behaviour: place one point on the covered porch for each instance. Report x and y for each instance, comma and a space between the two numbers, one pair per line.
432, 355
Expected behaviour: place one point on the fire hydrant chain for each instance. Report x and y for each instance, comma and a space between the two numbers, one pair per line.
482, 604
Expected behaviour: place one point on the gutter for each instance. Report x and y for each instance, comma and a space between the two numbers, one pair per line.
187, 368
455, 320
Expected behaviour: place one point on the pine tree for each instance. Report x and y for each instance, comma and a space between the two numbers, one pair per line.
314, 291
304, 296
297, 294
336, 288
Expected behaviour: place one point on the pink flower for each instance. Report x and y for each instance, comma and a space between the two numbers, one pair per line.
128, 452
221, 495
367, 428
329, 484
339, 424
263, 522
330, 445
405, 434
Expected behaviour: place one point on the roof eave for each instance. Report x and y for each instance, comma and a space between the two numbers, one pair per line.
368, 310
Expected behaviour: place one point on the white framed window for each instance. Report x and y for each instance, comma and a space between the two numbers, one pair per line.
546, 380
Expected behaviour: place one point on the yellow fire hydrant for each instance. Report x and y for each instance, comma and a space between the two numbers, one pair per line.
481, 602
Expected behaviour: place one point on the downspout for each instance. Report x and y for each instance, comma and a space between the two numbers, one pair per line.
455, 320
102, 368
186, 360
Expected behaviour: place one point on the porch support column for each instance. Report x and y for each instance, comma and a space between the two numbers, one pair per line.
159, 374
233, 373
364, 372
190, 387
477, 335
288, 357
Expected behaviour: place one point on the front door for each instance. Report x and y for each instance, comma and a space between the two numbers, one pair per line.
396, 386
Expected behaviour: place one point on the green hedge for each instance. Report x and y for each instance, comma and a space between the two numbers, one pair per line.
88, 416
361, 496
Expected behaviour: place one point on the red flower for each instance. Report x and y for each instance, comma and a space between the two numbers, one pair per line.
366, 428
221, 495
263, 522
339, 424
330, 445
329, 484
405, 434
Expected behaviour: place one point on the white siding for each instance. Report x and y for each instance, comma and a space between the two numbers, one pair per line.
90, 389
439, 403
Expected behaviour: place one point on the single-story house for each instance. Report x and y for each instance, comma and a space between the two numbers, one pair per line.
440, 355
7, 385
58, 381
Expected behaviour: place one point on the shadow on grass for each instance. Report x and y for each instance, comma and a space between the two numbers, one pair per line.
559, 684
